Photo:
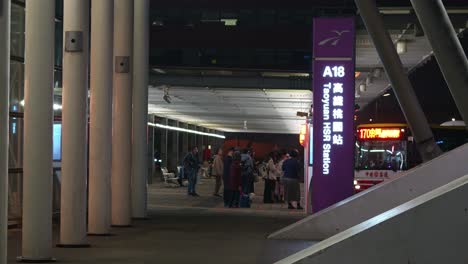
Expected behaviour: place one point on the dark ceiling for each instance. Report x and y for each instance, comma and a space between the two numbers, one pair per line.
276, 35
267, 34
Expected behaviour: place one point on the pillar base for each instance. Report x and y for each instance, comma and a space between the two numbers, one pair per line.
31, 260
121, 226
73, 245
101, 235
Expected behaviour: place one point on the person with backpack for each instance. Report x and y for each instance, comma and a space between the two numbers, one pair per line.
247, 172
191, 167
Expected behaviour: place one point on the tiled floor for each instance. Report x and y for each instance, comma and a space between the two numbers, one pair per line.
185, 229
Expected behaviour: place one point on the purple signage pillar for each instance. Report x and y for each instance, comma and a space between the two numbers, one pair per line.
333, 91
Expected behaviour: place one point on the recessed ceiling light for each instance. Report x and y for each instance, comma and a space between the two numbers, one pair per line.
401, 46
363, 87
386, 94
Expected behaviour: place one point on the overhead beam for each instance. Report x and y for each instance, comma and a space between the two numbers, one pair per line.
232, 82
447, 49
402, 87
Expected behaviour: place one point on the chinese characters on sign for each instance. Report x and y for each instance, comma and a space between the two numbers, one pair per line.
333, 109
333, 90
380, 133
332, 115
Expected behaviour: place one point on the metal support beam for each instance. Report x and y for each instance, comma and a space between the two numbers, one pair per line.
5, 21
447, 49
401, 85
231, 82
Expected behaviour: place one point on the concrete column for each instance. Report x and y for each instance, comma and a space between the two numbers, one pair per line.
185, 143
447, 49
100, 132
74, 123
401, 85
150, 157
198, 139
38, 119
5, 11
171, 146
201, 139
140, 108
122, 114
177, 143
164, 143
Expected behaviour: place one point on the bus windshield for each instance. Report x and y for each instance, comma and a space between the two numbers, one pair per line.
381, 155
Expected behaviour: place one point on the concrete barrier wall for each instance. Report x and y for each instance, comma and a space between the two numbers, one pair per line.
383, 197
431, 229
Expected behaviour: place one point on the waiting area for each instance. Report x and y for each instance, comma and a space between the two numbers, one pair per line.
184, 229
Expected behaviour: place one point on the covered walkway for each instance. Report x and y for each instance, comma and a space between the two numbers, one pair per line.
183, 229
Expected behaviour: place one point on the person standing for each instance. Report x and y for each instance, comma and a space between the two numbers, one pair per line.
191, 166
279, 188
247, 168
292, 189
218, 170
273, 172
235, 181
226, 177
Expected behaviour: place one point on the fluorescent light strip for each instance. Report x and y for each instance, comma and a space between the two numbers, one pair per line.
186, 130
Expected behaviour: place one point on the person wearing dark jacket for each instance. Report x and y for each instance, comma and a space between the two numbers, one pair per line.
247, 165
292, 189
191, 166
235, 181
227, 195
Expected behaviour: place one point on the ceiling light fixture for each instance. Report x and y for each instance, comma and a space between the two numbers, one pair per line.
363, 87
166, 96
357, 92
389, 11
158, 70
386, 94
186, 130
401, 46
377, 73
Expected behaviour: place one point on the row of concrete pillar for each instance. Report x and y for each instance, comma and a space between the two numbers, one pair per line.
174, 145
118, 168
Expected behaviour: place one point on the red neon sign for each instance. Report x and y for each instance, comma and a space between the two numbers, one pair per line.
302, 135
380, 133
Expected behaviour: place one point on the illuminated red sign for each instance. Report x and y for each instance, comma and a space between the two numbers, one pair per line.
380, 133
302, 135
